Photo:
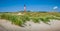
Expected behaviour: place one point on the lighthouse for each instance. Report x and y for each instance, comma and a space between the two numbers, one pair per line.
24, 8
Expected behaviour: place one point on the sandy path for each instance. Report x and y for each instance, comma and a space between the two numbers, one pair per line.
7, 26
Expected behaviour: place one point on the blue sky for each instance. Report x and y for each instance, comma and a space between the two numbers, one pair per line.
32, 5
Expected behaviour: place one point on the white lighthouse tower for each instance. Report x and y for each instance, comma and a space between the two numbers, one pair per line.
24, 8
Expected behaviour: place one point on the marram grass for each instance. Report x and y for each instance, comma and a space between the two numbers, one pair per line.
20, 20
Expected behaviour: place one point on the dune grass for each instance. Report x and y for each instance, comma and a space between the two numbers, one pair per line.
36, 17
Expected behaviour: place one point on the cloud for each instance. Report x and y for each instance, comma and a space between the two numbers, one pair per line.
55, 7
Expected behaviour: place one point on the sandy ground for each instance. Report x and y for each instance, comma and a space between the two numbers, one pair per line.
30, 26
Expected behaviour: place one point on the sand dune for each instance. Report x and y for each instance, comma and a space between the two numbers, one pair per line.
30, 26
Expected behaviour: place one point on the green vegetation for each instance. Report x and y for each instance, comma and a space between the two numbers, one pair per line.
36, 17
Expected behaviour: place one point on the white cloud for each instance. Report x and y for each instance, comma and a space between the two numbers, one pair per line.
55, 7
